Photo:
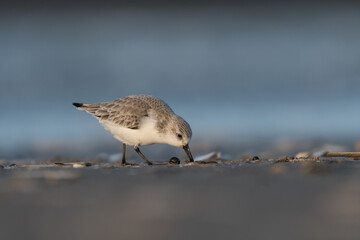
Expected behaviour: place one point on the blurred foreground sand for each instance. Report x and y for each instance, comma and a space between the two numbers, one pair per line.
245, 200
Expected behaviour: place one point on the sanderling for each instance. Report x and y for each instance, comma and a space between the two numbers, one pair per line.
141, 120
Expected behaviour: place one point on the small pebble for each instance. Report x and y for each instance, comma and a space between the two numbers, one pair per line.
88, 164
255, 158
12, 165
174, 160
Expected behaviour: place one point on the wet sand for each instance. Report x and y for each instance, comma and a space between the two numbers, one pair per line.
266, 199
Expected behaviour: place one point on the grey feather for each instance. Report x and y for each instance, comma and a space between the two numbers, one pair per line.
129, 111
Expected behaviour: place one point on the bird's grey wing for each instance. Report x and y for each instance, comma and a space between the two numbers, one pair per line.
128, 121
117, 112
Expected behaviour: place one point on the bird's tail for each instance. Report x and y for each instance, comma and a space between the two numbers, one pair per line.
88, 107
80, 106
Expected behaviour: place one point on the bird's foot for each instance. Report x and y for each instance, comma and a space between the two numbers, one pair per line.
126, 164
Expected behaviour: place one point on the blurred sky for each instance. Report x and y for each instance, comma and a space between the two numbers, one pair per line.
233, 71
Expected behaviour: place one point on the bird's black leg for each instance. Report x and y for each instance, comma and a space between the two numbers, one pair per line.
136, 148
123, 161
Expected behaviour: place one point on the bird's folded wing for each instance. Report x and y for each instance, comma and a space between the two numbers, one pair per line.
124, 116
128, 121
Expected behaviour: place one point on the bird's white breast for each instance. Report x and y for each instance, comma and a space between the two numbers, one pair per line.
145, 135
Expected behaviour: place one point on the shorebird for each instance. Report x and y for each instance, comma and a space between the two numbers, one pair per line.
140, 120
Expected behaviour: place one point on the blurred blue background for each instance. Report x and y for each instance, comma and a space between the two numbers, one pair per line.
240, 74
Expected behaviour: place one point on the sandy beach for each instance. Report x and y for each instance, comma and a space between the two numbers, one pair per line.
274, 79
248, 199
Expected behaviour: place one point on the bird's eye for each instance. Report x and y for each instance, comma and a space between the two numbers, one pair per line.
179, 135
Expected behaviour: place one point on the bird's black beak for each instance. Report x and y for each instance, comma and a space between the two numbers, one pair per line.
187, 150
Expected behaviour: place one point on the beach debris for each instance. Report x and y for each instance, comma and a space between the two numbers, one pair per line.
81, 165
352, 155
212, 155
301, 155
174, 160
74, 165
252, 159
319, 154
59, 164
323, 150
284, 159
78, 165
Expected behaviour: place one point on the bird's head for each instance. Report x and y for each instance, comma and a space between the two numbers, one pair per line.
180, 135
